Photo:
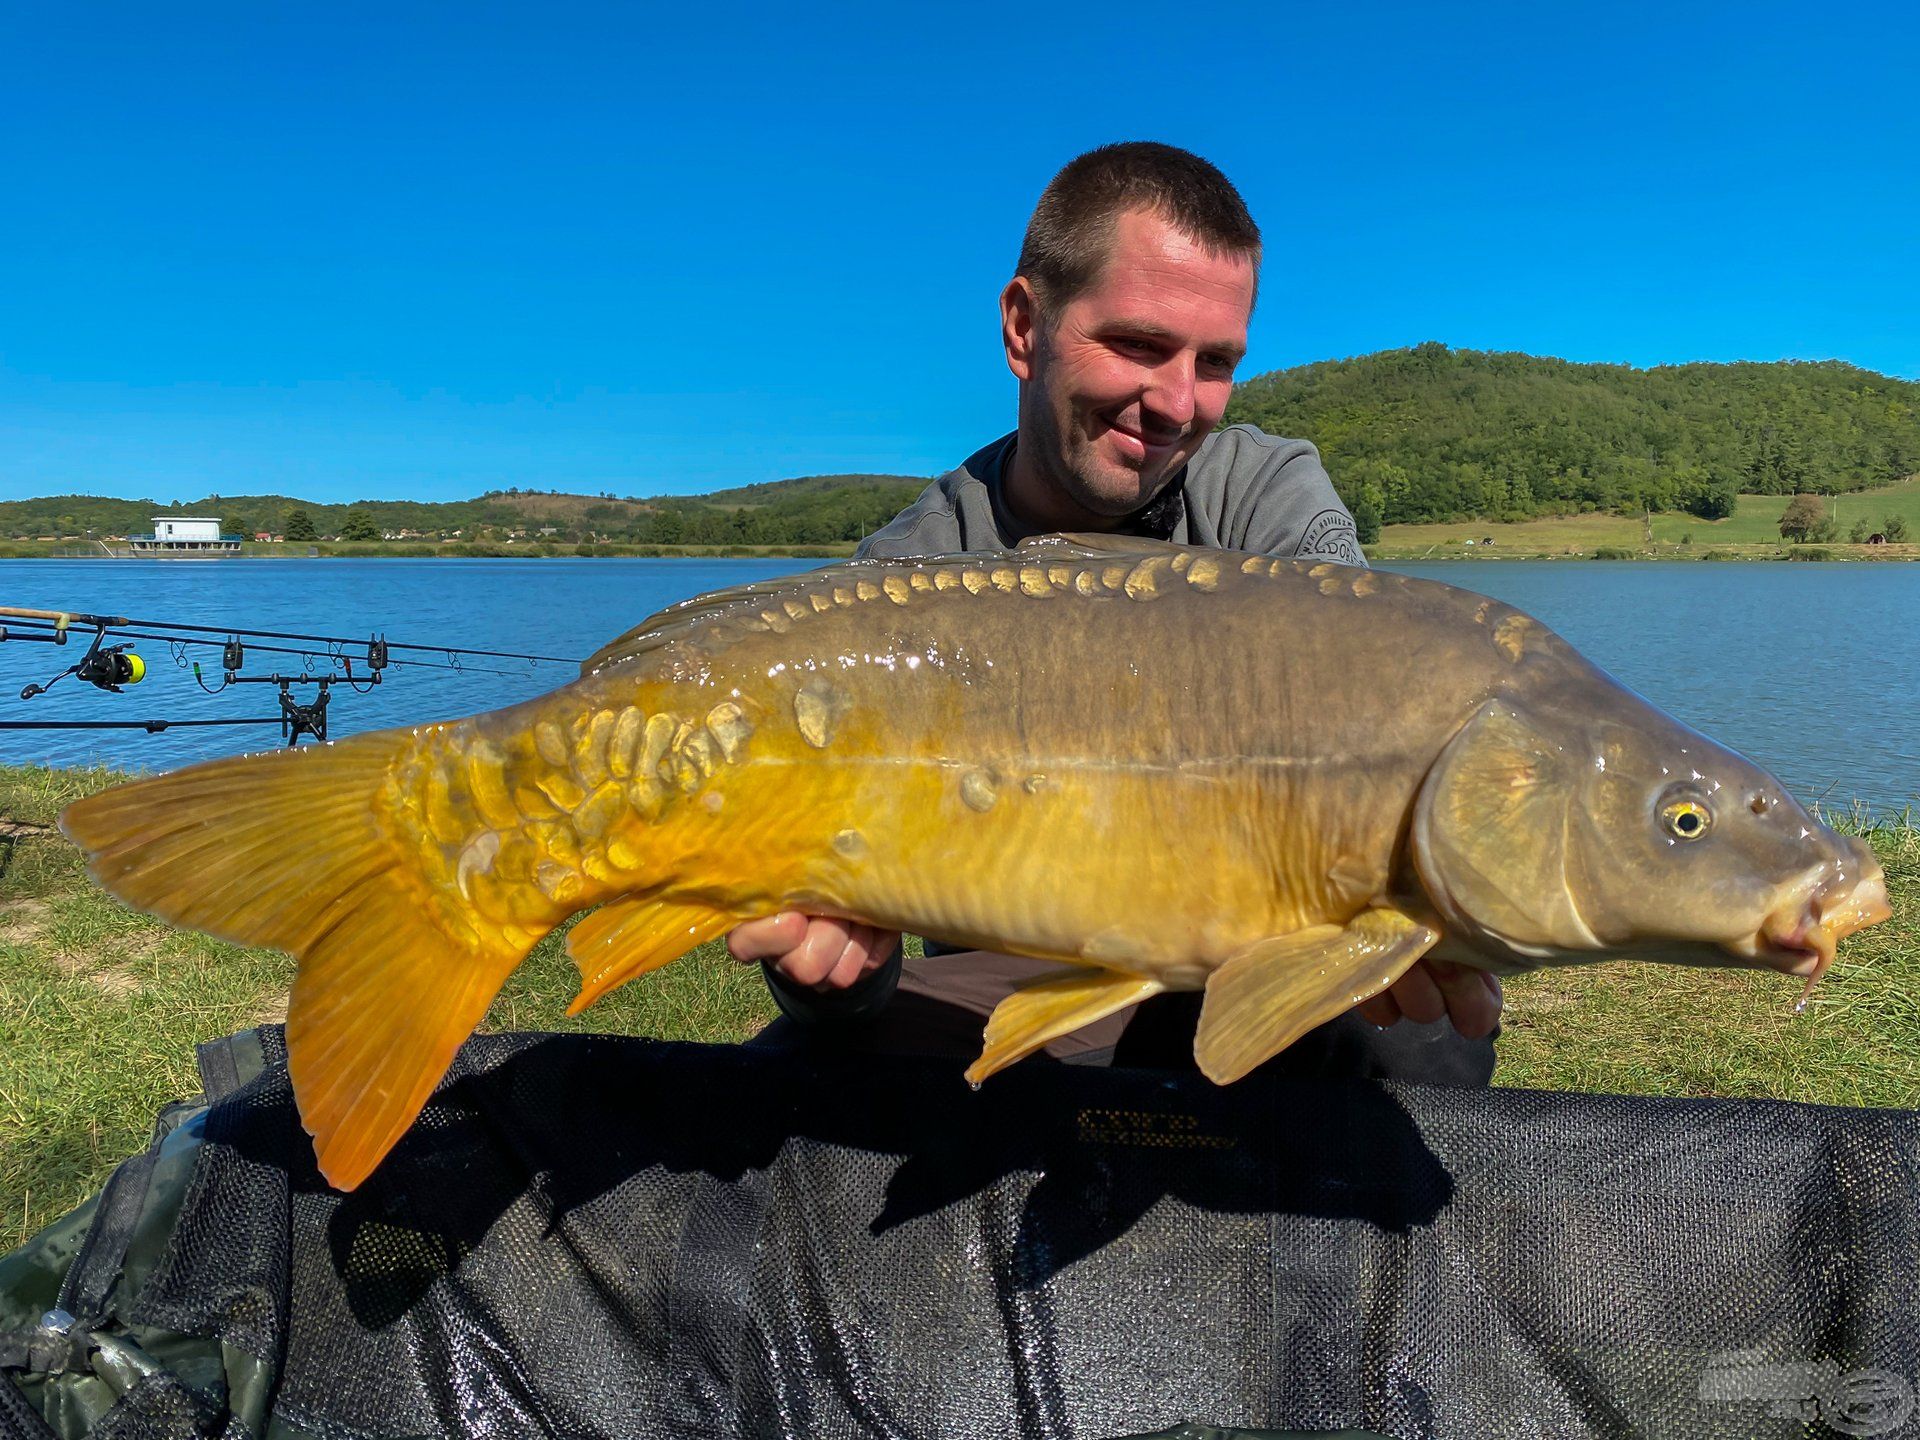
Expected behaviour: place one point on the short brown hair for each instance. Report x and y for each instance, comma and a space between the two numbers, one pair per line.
1071, 232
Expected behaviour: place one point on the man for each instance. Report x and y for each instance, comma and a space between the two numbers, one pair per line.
1123, 324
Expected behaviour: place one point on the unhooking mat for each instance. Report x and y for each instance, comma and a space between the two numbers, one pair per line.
590, 1236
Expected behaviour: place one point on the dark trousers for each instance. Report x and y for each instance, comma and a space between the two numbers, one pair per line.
1159, 1035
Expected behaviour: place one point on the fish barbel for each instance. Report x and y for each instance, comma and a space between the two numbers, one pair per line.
1167, 768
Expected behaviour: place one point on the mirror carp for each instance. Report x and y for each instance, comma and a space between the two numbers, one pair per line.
1167, 768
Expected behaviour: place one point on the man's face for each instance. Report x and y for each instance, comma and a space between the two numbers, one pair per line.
1124, 381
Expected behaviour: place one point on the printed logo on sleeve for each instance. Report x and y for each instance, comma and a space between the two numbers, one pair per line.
1331, 536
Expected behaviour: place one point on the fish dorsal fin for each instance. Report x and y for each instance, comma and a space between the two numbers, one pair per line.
626, 938
1053, 1006
1095, 545
681, 619
1272, 993
741, 602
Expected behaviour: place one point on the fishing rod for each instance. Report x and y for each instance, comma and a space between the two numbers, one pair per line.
112, 667
46, 630
64, 618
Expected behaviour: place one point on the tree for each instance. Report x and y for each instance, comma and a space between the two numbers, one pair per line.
359, 526
234, 525
1711, 499
300, 525
1895, 529
1366, 518
1803, 516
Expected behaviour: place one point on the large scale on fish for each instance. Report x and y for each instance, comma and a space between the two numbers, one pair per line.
1166, 768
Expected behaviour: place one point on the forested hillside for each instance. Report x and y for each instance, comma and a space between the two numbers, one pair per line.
1426, 434
817, 509
1436, 434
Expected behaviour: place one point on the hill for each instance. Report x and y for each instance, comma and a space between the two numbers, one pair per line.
815, 509
1432, 434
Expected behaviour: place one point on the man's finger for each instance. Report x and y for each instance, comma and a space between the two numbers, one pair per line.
767, 938
813, 959
1473, 999
856, 960
1417, 995
1382, 1010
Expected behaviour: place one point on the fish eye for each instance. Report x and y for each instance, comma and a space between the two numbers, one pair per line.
1686, 819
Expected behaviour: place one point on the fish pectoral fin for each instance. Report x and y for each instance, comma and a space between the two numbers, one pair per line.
1272, 993
628, 937
1052, 1007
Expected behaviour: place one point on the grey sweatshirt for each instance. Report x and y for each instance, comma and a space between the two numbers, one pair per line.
1244, 490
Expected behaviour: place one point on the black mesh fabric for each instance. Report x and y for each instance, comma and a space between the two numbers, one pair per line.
592, 1236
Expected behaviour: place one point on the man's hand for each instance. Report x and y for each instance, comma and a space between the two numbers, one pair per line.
814, 952
1432, 988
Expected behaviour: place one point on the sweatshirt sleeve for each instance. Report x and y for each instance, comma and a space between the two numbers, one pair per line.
862, 1000
1282, 501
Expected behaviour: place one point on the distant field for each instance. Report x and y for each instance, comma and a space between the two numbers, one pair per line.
1756, 521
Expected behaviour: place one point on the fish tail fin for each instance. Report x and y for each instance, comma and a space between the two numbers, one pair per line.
291, 850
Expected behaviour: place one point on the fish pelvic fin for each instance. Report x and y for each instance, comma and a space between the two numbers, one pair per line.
1051, 1007
293, 850
1270, 994
628, 937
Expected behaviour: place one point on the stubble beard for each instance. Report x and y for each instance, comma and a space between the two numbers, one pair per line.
1092, 483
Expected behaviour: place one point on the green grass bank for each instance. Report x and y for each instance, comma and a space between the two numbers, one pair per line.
100, 1009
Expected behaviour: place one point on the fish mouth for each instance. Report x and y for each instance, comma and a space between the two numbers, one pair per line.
1801, 938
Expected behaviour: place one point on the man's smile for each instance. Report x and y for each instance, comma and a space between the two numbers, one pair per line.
1138, 444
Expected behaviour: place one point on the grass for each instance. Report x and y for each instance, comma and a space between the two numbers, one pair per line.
1753, 528
100, 1009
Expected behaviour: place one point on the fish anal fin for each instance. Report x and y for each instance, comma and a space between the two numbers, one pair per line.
626, 938
1270, 994
1051, 1007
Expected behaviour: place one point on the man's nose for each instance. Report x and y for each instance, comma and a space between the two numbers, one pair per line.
1169, 397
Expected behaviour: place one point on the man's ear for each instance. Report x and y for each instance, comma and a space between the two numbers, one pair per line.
1019, 321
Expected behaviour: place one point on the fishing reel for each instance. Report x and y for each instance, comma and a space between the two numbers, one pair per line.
110, 667
113, 668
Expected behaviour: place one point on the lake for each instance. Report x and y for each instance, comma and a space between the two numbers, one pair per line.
1812, 669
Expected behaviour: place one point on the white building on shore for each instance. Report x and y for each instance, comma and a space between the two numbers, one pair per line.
182, 537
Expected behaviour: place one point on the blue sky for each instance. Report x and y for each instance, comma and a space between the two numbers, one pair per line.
398, 250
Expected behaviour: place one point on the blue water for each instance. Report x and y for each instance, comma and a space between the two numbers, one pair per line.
1814, 670
560, 607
